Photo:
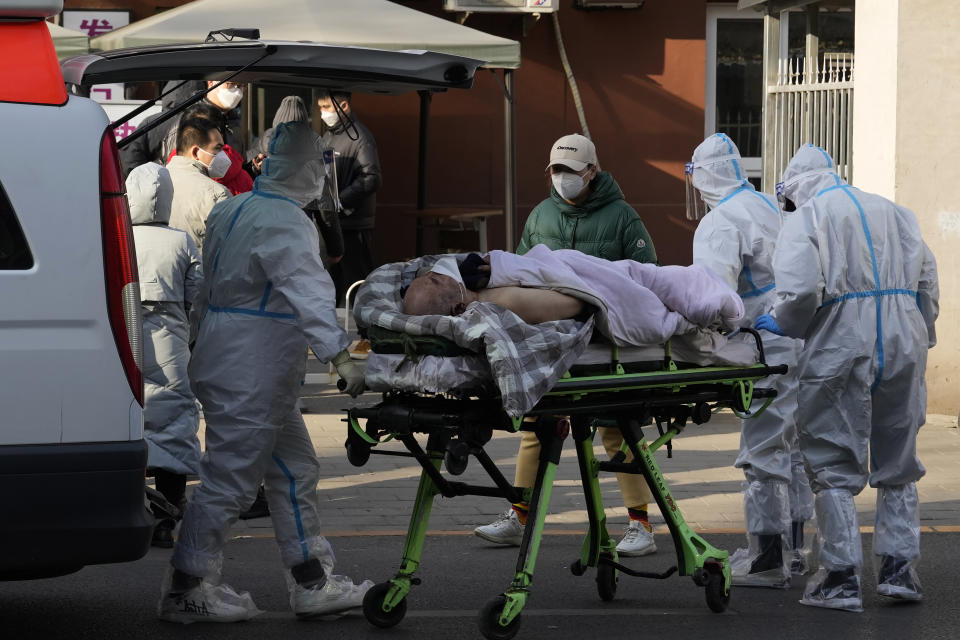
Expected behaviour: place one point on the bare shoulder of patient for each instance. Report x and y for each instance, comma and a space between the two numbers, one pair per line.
533, 305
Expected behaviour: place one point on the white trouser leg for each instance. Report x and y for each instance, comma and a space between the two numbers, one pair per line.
836, 583
230, 472
291, 486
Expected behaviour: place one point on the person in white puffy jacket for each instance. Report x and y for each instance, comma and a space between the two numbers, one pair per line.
170, 276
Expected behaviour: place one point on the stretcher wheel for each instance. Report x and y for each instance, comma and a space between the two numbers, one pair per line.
456, 457
489, 621
607, 579
357, 454
373, 607
717, 600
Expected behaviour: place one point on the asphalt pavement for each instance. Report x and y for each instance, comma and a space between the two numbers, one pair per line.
366, 510
460, 574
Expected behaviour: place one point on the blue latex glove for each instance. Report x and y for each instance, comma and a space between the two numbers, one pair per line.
767, 323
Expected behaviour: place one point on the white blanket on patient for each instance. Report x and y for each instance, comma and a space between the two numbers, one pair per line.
637, 304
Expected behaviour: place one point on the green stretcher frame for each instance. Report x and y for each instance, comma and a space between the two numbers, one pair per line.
458, 428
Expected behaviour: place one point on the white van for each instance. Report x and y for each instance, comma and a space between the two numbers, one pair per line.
72, 454
72, 457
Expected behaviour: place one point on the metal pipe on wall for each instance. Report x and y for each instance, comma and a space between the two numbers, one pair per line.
510, 161
425, 99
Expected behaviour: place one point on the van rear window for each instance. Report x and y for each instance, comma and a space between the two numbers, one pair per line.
15, 253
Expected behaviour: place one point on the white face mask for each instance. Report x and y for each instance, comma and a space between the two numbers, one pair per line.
229, 97
568, 185
330, 118
448, 266
220, 164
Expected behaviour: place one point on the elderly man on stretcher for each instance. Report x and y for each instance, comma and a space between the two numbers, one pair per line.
484, 307
636, 303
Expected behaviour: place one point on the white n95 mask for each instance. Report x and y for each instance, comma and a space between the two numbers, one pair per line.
330, 118
568, 185
219, 166
229, 97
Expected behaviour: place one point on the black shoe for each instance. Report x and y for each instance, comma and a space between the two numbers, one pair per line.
771, 554
163, 534
259, 508
839, 590
798, 561
766, 569
897, 579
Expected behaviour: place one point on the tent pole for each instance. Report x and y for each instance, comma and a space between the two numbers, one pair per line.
510, 161
425, 98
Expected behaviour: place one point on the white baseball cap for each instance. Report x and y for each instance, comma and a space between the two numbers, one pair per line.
574, 151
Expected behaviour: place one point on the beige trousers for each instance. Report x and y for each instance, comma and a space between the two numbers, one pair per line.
632, 486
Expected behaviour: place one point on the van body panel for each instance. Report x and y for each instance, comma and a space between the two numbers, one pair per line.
63, 378
66, 506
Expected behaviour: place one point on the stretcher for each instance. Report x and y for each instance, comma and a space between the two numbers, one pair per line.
611, 391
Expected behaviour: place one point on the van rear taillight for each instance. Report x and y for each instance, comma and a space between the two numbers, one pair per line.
120, 265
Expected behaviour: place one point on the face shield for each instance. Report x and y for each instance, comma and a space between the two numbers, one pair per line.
696, 207
330, 198
785, 204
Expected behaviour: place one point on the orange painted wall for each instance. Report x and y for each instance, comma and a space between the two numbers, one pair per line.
641, 80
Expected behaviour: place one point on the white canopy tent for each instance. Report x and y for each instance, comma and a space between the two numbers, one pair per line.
68, 42
369, 23
365, 23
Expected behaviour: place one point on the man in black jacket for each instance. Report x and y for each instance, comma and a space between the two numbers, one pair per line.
160, 141
358, 178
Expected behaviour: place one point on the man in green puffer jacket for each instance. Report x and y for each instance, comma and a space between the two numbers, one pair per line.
585, 211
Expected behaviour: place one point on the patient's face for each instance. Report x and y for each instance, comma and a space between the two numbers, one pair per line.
433, 294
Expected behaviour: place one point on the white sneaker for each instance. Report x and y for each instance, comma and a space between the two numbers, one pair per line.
337, 595
636, 541
506, 529
207, 603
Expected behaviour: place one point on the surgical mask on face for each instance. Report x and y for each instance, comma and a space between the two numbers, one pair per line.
330, 118
220, 164
229, 97
448, 266
568, 185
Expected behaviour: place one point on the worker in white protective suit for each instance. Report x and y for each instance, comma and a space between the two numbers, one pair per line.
857, 282
736, 241
168, 263
265, 299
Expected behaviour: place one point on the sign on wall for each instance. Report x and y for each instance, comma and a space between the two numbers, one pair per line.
117, 110
95, 22
107, 92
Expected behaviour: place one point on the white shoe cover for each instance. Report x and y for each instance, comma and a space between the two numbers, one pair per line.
207, 602
337, 595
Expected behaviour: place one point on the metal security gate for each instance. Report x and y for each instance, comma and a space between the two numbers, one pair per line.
814, 104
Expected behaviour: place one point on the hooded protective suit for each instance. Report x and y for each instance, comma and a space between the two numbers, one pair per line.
170, 277
856, 280
736, 240
265, 299
323, 211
